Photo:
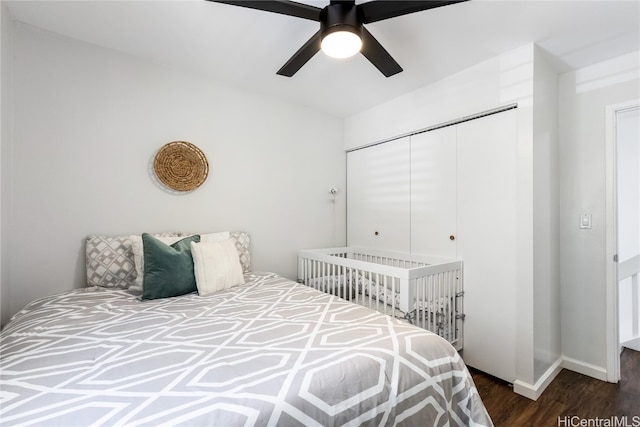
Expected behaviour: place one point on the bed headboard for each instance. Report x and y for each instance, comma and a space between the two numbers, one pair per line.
109, 259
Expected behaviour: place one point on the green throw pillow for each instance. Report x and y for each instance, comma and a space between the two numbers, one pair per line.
168, 270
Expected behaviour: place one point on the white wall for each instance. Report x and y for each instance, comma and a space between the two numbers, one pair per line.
493, 83
87, 122
6, 73
546, 291
584, 94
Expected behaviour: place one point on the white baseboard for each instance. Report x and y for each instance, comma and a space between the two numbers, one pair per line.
533, 391
588, 369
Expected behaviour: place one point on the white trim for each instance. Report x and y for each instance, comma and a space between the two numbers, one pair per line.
584, 368
612, 373
534, 391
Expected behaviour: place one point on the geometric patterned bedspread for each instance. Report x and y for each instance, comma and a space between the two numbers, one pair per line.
271, 352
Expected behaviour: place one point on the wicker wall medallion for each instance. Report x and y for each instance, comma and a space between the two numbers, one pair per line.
181, 166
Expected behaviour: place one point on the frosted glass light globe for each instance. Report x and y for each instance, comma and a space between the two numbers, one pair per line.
341, 44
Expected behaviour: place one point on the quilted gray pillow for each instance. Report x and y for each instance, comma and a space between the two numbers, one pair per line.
243, 245
109, 261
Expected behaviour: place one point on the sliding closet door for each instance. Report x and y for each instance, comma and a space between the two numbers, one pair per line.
487, 162
433, 193
378, 196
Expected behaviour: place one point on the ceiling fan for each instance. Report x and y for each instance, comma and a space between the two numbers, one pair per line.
342, 33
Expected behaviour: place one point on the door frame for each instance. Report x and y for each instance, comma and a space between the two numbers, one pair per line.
611, 231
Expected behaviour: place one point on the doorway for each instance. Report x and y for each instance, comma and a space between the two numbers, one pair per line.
623, 232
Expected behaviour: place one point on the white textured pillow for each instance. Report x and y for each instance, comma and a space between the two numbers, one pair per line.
216, 266
215, 237
138, 256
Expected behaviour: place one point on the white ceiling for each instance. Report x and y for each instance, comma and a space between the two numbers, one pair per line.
245, 47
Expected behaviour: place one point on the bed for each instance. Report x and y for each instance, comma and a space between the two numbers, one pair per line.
268, 352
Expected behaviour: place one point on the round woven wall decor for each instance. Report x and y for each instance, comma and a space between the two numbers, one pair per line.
181, 166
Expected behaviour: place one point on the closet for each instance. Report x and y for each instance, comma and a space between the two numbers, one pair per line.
450, 192
379, 196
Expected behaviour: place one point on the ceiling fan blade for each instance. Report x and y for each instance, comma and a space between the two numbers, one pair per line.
377, 55
304, 54
283, 7
374, 11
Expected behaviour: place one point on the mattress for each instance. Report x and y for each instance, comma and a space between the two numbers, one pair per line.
271, 352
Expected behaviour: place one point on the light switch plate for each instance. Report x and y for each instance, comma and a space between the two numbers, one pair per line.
585, 221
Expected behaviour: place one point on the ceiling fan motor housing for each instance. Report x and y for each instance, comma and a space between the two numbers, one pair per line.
340, 17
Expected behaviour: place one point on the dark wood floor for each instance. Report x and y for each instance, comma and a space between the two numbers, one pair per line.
570, 394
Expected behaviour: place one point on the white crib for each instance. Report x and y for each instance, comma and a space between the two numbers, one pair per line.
426, 291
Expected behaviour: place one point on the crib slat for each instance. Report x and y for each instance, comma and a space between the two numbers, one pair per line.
428, 292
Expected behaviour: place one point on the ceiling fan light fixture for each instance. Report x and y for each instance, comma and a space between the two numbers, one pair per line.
342, 33
341, 44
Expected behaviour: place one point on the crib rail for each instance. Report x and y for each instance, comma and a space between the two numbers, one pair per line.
427, 291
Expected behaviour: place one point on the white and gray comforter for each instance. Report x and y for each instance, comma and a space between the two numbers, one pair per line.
271, 352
